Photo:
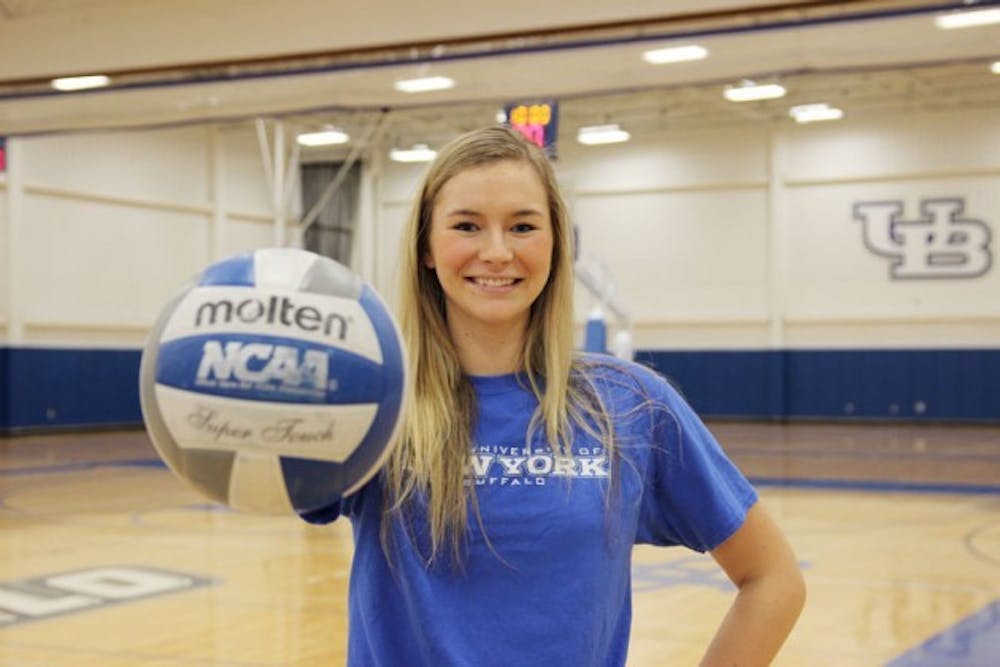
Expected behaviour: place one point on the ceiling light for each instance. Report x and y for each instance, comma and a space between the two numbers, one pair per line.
967, 19
748, 91
326, 137
995, 67
424, 84
602, 134
675, 54
810, 113
419, 153
80, 82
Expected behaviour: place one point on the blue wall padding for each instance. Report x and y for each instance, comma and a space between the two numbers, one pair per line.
44, 387
70, 387
4, 388
908, 384
930, 384
727, 383
595, 337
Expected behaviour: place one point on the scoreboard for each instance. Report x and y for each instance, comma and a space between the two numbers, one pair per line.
537, 121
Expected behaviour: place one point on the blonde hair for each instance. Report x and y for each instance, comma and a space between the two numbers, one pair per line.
432, 458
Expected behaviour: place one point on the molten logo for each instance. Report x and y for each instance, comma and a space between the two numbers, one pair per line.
259, 364
272, 310
939, 245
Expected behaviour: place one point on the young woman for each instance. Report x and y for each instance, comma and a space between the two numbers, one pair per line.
501, 530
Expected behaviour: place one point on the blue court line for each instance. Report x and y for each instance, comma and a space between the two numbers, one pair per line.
830, 454
85, 465
972, 642
697, 570
874, 485
690, 571
789, 482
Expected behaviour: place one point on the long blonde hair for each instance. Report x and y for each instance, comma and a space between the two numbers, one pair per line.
432, 457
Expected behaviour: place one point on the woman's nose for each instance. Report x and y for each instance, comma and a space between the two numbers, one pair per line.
495, 248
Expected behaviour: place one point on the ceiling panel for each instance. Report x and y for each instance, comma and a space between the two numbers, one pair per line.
867, 57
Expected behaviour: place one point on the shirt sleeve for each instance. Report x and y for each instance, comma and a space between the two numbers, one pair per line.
323, 515
693, 494
348, 506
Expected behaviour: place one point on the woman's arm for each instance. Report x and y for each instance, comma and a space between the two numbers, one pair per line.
758, 559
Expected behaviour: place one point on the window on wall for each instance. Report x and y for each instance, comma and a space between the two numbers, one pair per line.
331, 234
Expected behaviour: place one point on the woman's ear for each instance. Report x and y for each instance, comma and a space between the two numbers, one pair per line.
428, 260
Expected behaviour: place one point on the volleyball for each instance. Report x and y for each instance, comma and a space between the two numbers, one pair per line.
273, 382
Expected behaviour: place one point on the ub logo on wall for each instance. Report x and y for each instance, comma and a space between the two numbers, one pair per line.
941, 243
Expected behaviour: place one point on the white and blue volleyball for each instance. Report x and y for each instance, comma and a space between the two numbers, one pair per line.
274, 382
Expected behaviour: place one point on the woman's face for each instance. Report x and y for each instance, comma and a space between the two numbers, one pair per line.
490, 244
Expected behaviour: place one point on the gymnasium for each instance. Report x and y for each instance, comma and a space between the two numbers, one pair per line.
790, 209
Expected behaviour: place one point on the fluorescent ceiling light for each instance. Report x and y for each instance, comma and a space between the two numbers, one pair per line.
675, 54
425, 84
810, 113
80, 82
601, 134
995, 67
326, 137
967, 19
750, 92
419, 153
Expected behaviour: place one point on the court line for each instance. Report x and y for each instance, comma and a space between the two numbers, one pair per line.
970, 544
974, 641
788, 482
856, 454
142, 656
83, 465
875, 485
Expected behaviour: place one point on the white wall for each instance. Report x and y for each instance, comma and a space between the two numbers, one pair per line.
681, 223
837, 290
110, 225
731, 238
745, 237
397, 188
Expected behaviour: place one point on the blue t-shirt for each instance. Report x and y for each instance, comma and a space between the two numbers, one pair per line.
549, 581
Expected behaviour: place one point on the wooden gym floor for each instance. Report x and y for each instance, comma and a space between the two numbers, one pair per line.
106, 559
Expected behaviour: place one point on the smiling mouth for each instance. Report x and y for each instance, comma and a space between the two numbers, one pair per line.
493, 282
